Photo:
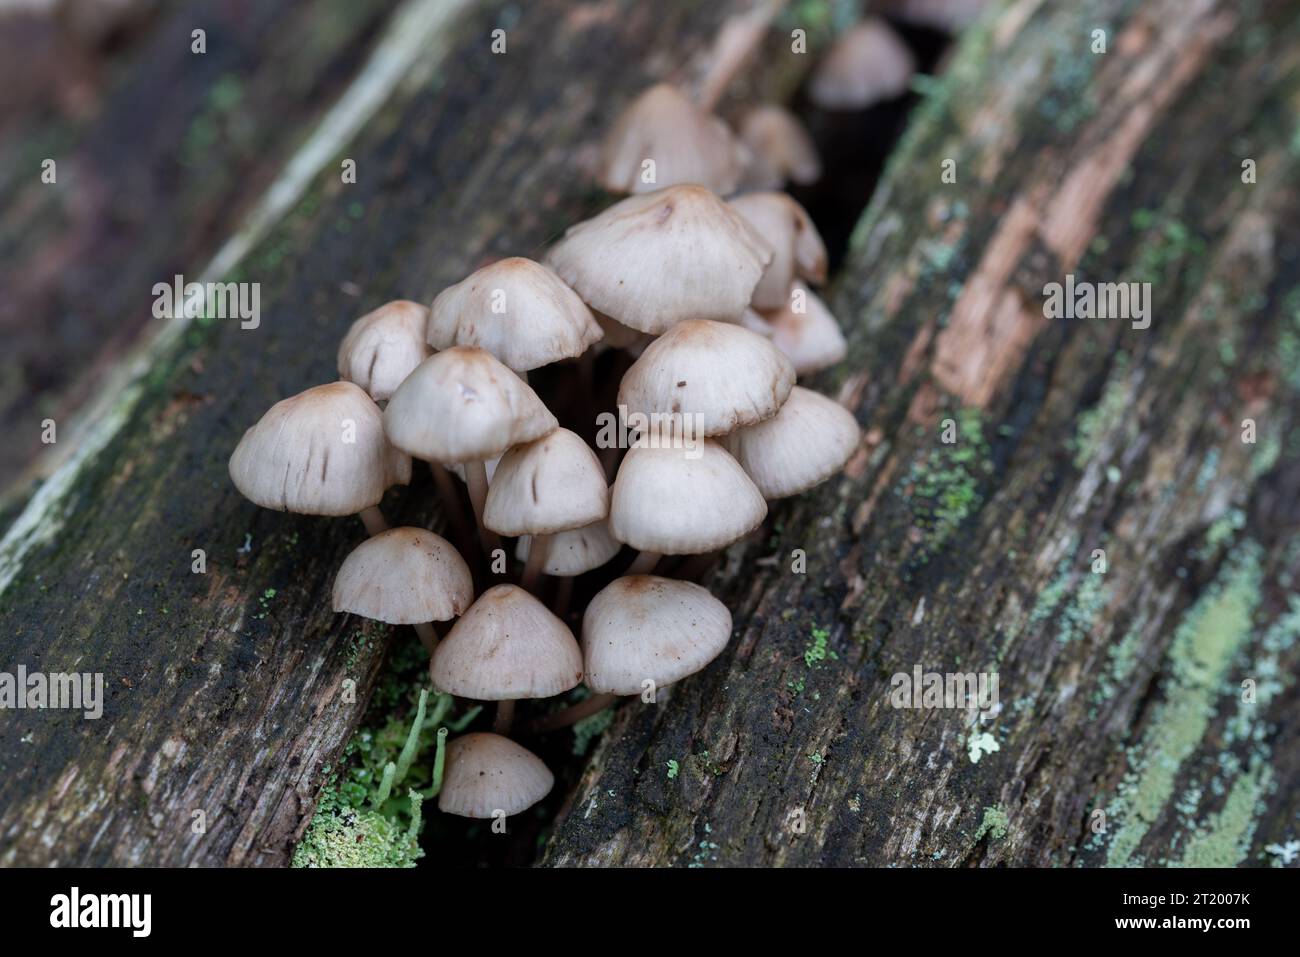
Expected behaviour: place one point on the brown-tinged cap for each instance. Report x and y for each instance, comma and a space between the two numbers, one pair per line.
487, 774
404, 576
798, 248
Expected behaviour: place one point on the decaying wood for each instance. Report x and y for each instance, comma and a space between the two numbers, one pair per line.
1121, 691
226, 689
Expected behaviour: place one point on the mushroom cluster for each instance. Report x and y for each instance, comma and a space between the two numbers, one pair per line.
700, 312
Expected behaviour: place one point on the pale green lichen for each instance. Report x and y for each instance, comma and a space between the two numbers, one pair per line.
980, 743
945, 487
994, 823
1108, 414
1224, 841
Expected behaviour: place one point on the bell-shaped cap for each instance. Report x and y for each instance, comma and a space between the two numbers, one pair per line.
798, 248
516, 309
652, 260
867, 64
683, 501
575, 550
463, 405
806, 332
645, 628
684, 143
723, 373
547, 485
804, 444
320, 452
404, 576
780, 147
383, 346
487, 775
508, 645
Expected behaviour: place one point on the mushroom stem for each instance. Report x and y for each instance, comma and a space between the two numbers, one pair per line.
505, 717
451, 506
536, 563
428, 637
644, 563
373, 519
477, 480
572, 714
563, 595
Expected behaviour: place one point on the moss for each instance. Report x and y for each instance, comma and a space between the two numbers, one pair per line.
589, 729
946, 486
1110, 412
818, 650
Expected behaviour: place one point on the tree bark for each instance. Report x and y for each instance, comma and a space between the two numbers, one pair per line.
1079, 445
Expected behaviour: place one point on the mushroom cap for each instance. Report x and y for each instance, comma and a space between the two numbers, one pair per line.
798, 247
516, 309
643, 627
507, 645
804, 444
652, 260
320, 452
669, 502
547, 485
574, 550
404, 576
781, 148
487, 773
867, 64
463, 405
383, 346
725, 373
812, 338
686, 143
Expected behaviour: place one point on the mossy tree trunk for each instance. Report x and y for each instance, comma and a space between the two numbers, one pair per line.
1127, 732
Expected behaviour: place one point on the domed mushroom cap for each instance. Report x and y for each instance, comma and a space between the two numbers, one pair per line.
645, 627
723, 372
404, 576
508, 645
652, 260
807, 442
812, 338
681, 502
798, 247
547, 485
686, 144
486, 774
867, 64
320, 452
463, 405
575, 550
383, 346
781, 148
516, 309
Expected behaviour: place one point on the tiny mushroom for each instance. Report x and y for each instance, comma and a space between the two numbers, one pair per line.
320, 452
405, 576
781, 147
618, 261
867, 64
798, 248
487, 775
806, 332
574, 550
552, 484
718, 374
383, 346
516, 309
663, 139
462, 405
804, 444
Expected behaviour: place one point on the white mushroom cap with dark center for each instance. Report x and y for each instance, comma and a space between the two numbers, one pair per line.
807, 442
725, 373
867, 64
547, 485
652, 260
487, 774
798, 248
686, 144
781, 147
812, 338
642, 627
516, 309
463, 405
320, 452
669, 502
383, 346
575, 550
404, 576
507, 646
